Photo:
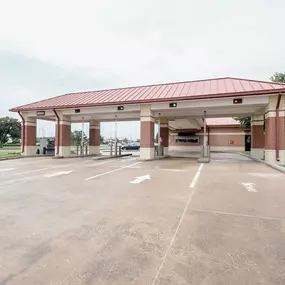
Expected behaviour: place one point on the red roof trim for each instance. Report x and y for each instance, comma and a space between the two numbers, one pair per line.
157, 93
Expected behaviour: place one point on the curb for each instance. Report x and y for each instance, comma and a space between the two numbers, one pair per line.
10, 158
274, 166
110, 157
155, 158
23, 157
75, 156
94, 157
204, 159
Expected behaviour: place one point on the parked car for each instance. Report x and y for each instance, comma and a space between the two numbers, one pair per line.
131, 147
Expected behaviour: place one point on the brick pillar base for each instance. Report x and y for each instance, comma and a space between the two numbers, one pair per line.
29, 137
147, 133
257, 137
94, 138
164, 135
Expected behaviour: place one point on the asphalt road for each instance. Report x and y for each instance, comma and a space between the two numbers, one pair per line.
123, 221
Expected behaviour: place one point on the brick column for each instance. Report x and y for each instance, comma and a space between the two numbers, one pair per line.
29, 136
257, 137
147, 133
94, 137
164, 135
270, 131
63, 136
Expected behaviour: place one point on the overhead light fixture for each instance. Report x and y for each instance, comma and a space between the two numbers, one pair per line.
173, 105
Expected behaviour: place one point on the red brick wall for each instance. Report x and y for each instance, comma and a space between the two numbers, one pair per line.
225, 139
164, 134
282, 132
94, 137
257, 138
30, 135
147, 134
64, 134
270, 130
270, 133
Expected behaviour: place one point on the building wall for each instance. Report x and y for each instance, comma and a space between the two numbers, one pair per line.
221, 138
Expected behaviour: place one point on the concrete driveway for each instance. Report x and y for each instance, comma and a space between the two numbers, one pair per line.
123, 221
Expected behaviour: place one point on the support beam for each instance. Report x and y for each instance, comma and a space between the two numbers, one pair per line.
257, 137
29, 136
94, 138
147, 133
164, 135
63, 135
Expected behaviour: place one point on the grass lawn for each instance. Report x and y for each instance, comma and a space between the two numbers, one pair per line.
10, 152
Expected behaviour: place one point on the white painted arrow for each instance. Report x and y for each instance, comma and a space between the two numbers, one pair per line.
57, 173
249, 187
140, 179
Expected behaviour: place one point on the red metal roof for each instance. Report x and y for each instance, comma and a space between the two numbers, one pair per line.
201, 89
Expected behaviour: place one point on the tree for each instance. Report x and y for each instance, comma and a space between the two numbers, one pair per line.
125, 141
244, 122
102, 139
76, 138
138, 140
278, 77
9, 128
156, 138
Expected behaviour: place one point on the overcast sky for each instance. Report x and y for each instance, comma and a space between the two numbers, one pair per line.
52, 47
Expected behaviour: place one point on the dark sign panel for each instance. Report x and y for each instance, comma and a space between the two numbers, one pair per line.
172, 105
77, 111
41, 113
237, 101
120, 108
